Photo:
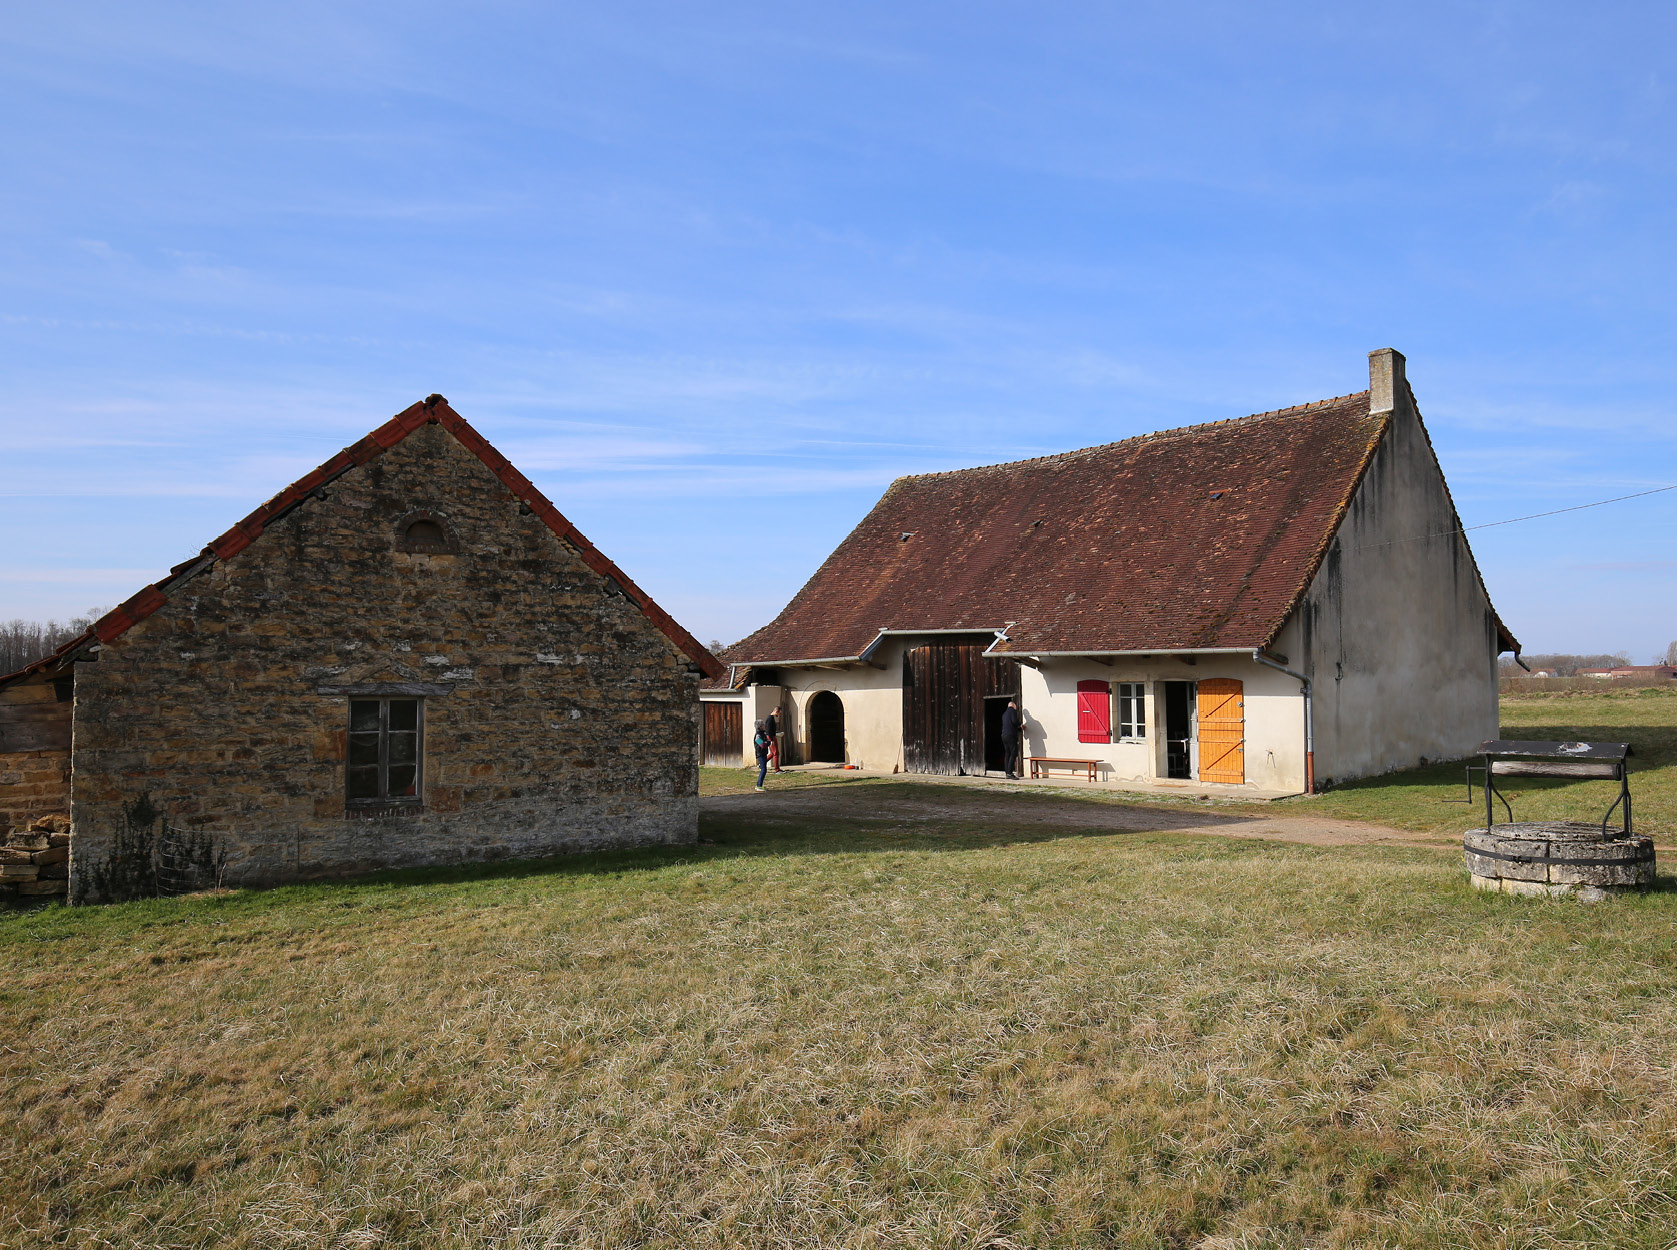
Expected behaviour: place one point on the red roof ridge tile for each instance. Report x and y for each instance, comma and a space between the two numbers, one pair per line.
434, 409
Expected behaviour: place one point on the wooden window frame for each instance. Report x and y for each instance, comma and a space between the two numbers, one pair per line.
385, 801
1123, 691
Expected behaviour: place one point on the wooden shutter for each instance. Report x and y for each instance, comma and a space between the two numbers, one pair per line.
1094, 711
1222, 730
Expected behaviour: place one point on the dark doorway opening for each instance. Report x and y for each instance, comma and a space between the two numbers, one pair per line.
995, 751
1179, 730
826, 729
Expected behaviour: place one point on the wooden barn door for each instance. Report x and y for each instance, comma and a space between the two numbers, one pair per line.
724, 723
945, 688
1222, 730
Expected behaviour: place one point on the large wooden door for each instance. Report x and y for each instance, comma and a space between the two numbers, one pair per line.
723, 729
1222, 730
946, 687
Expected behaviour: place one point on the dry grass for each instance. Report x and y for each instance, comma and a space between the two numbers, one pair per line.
821, 1036
846, 1034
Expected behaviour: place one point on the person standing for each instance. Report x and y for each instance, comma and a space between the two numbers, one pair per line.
760, 743
771, 724
1011, 721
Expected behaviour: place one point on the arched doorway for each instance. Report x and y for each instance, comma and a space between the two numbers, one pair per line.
826, 728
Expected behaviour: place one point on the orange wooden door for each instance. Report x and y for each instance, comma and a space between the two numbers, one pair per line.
1222, 730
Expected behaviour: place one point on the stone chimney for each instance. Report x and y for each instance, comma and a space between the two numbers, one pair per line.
1385, 379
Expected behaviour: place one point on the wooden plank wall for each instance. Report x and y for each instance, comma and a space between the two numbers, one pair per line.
944, 688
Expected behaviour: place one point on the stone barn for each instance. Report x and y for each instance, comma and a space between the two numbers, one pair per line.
1267, 604
408, 657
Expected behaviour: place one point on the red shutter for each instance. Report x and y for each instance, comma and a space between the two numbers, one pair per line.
1094, 711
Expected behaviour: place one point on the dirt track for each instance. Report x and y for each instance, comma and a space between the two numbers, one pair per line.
916, 802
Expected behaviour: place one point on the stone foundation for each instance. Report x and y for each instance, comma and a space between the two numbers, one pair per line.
1558, 859
35, 862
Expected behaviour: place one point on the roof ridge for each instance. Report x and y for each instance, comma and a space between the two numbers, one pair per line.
1174, 431
433, 409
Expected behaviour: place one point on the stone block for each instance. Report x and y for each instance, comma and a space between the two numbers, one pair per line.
19, 872
16, 855
54, 872
52, 855
36, 888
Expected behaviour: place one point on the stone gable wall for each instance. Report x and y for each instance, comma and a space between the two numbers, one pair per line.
559, 719
34, 752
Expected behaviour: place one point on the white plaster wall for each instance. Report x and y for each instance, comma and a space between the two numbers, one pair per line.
1274, 717
873, 707
1396, 631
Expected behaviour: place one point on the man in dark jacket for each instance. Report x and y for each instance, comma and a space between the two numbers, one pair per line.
771, 726
1010, 739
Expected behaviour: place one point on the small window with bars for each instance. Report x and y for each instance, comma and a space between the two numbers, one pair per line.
383, 763
1130, 700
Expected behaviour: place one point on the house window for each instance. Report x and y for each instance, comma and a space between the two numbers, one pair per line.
384, 751
1132, 711
1094, 711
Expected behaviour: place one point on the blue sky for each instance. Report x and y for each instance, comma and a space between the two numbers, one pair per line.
713, 275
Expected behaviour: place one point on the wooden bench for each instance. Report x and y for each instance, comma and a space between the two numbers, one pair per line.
1040, 764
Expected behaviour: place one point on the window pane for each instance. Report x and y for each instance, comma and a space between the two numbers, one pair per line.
402, 778
404, 748
363, 749
363, 783
404, 714
363, 715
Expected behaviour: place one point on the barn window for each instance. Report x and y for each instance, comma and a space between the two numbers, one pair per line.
382, 765
426, 533
1132, 711
1094, 711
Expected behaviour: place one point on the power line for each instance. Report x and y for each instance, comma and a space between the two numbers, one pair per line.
1575, 508
1511, 520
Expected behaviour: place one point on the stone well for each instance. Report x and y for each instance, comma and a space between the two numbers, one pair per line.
1560, 859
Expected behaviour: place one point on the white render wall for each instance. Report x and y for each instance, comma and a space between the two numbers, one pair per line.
873, 713
873, 707
1396, 630
1274, 717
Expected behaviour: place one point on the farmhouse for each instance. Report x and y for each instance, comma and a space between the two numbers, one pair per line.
407, 657
1267, 603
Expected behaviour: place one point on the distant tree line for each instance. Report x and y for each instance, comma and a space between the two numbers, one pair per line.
23, 642
1563, 665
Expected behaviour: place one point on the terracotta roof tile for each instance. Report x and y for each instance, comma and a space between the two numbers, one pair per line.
1194, 538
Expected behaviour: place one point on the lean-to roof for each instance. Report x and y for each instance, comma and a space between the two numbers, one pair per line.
436, 409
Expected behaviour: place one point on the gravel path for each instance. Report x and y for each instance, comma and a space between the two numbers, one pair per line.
918, 802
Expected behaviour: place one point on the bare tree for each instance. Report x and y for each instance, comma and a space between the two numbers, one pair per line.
23, 642
1670, 654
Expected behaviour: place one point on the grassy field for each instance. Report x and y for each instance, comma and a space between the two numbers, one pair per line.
848, 1033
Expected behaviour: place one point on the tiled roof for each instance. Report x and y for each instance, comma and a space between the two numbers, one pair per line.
1198, 538
126, 615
